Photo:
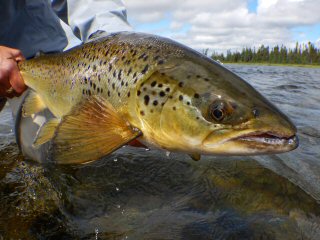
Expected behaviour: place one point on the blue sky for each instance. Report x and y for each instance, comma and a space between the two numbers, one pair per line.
228, 24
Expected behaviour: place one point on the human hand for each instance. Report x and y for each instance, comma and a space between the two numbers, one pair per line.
11, 82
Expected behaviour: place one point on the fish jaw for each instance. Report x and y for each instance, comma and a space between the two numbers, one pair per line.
248, 142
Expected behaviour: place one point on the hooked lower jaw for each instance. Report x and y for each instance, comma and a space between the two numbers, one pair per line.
254, 143
269, 141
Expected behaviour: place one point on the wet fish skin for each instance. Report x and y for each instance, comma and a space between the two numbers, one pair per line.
167, 91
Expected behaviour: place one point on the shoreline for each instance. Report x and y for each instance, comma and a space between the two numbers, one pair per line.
274, 64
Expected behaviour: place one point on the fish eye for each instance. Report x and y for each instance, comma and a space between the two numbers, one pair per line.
218, 110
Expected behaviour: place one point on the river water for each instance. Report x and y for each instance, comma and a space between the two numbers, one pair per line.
139, 194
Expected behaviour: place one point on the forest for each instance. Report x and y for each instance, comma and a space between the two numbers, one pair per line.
302, 54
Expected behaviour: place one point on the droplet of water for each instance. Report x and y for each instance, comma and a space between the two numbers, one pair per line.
96, 232
117, 189
147, 149
115, 160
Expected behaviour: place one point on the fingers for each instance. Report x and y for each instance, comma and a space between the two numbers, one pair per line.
16, 80
11, 82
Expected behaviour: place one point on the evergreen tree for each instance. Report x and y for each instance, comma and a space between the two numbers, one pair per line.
300, 54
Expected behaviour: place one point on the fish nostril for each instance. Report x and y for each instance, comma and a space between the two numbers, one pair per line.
255, 112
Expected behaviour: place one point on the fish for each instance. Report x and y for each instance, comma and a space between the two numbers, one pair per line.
136, 87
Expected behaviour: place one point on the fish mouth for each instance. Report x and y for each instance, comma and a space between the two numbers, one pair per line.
268, 140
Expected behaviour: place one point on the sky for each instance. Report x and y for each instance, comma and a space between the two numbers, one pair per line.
222, 25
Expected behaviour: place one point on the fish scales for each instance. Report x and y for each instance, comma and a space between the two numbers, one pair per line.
178, 99
112, 67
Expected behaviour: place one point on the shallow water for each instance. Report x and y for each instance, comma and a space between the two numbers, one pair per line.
138, 194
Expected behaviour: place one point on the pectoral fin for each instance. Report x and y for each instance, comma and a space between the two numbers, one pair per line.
46, 132
32, 104
92, 130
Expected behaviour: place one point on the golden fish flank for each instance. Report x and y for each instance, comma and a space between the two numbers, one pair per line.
110, 91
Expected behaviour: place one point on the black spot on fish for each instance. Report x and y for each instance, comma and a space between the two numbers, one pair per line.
151, 111
196, 95
85, 80
119, 74
113, 86
94, 86
138, 93
134, 75
198, 76
207, 79
115, 73
149, 47
162, 94
145, 69
126, 84
142, 113
145, 89
118, 94
160, 85
134, 53
155, 102
90, 84
83, 92
153, 83
101, 90
122, 83
110, 67
128, 94
146, 99
167, 89
135, 80
142, 56
99, 78
94, 68
98, 90
180, 84
108, 80
197, 118
174, 108
180, 97
89, 92
188, 103
130, 70
123, 58
108, 93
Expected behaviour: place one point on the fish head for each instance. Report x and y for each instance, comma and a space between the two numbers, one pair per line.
207, 109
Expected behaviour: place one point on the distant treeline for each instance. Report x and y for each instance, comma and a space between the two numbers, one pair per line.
301, 54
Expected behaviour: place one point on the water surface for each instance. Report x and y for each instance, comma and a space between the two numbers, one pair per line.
138, 194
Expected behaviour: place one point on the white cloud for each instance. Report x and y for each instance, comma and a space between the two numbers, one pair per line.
227, 24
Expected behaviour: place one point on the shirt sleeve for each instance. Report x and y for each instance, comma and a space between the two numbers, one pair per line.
86, 17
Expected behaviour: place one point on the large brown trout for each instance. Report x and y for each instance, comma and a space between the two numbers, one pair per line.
132, 86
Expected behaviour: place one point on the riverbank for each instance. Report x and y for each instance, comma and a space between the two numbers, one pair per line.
274, 64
